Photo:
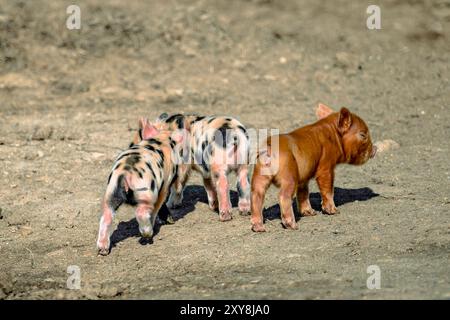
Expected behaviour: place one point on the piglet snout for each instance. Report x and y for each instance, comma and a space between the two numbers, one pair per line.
374, 151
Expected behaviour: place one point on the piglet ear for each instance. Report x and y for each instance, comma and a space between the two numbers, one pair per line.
323, 111
147, 129
345, 120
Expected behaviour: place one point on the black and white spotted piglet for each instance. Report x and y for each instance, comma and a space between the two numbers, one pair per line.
141, 176
215, 146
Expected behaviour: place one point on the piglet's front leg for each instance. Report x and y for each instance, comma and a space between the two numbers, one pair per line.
325, 181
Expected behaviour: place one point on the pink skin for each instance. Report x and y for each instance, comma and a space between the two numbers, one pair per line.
105, 229
243, 184
218, 191
219, 170
144, 208
244, 187
220, 181
323, 111
145, 219
211, 193
148, 204
144, 216
217, 186
148, 130
145, 212
222, 162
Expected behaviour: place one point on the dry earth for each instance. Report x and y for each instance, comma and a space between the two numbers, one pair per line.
69, 100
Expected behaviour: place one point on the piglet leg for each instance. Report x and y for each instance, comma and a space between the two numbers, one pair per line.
243, 188
260, 183
220, 181
145, 220
287, 213
325, 181
176, 193
211, 193
104, 232
303, 204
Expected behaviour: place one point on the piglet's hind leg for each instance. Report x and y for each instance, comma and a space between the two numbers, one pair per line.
260, 183
104, 232
287, 213
176, 192
243, 188
223, 193
211, 193
143, 217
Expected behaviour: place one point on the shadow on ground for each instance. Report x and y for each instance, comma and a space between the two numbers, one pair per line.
191, 195
195, 193
341, 196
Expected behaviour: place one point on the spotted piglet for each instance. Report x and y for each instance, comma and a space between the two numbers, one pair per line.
216, 146
141, 176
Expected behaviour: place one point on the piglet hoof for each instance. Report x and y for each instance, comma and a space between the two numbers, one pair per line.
146, 232
225, 216
170, 220
103, 247
308, 213
146, 235
213, 206
330, 212
258, 227
292, 225
103, 252
244, 208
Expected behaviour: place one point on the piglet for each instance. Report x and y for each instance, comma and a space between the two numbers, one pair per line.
141, 176
215, 146
309, 152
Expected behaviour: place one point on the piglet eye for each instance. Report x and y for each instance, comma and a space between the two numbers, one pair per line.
363, 135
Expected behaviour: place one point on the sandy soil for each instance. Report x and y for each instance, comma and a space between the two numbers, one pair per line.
69, 100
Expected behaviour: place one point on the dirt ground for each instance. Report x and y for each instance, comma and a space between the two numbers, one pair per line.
69, 100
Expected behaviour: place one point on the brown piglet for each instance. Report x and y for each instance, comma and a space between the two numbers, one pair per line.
307, 152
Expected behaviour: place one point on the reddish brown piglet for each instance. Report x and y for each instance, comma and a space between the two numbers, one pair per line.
309, 152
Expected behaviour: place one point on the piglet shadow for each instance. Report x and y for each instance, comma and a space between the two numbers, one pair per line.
341, 196
191, 196
130, 229
195, 193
